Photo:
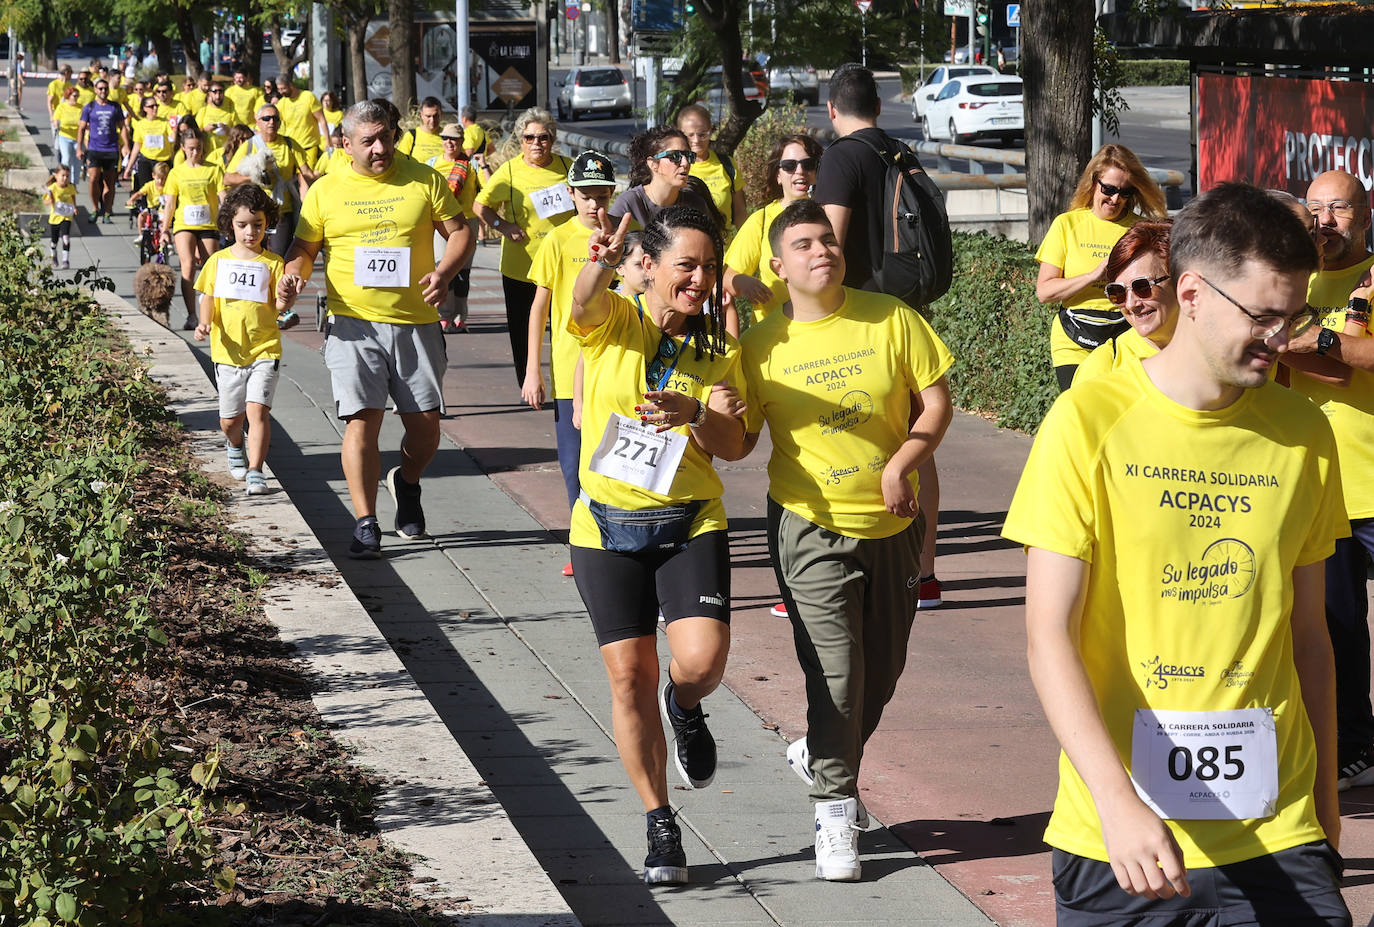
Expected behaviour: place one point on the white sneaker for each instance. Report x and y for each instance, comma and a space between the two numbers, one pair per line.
799, 758
837, 840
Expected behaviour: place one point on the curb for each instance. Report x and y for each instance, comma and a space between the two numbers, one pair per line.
31, 179
434, 804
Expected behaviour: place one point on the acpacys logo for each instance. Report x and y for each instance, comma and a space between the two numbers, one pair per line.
1225, 570
1159, 674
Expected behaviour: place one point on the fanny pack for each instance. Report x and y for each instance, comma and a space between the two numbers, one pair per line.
632, 531
1089, 328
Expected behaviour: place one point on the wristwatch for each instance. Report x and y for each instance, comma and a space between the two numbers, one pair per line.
1326, 340
1357, 310
700, 418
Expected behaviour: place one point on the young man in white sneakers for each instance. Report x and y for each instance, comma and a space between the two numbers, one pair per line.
833, 374
1177, 517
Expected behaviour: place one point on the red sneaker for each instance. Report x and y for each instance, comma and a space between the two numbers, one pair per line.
567, 569
779, 610
929, 595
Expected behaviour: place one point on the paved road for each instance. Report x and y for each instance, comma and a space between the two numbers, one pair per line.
961, 771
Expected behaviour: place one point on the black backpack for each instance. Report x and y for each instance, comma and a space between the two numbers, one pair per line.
917, 262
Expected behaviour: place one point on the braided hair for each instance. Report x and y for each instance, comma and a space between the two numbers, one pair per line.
658, 239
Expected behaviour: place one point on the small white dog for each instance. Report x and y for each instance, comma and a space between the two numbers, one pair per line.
259, 167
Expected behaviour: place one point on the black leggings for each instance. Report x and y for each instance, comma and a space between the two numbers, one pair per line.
61, 231
519, 298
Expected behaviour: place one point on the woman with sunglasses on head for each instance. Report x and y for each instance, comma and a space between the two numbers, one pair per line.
532, 190
662, 396
660, 167
1114, 192
791, 172
1140, 287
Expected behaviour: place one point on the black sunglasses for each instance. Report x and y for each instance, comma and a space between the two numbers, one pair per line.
676, 156
1108, 190
532, 138
791, 164
269, 119
1142, 287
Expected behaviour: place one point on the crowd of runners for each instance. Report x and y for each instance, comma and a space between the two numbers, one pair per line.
1193, 549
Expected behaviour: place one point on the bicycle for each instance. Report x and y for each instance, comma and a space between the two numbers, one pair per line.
152, 244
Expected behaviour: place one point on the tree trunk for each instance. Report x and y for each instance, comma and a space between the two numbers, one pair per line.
1057, 70
162, 44
288, 56
186, 31
357, 64
613, 29
400, 13
250, 57
723, 18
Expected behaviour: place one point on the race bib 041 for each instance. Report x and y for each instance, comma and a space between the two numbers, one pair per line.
243, 280
1206, 765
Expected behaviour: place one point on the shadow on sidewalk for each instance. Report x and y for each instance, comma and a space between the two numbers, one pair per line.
942, 842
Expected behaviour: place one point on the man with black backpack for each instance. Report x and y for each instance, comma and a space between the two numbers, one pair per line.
891, 222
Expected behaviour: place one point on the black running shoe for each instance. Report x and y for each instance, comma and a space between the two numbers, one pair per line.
410, 517
695, 748
367, 539
1357, 771
666, 863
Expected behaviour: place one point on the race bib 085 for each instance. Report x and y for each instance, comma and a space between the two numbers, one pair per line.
1206, 765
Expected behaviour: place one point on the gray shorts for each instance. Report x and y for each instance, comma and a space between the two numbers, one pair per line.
369, 361
239, 386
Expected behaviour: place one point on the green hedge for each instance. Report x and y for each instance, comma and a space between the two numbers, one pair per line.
1163, 72
95, 829
998, 332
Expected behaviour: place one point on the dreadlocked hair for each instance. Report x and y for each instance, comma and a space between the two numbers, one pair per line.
659, 237
644, 146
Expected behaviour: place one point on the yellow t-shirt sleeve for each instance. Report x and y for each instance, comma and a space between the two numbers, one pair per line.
746, 250
205, 280
1055, 248
497, 189
927, 359
1053, 506
1330, 521
609, 331
544, 269
310, 225
171, 187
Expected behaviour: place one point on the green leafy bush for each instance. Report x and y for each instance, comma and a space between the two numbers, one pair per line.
998, 332
1163, 72
94, 828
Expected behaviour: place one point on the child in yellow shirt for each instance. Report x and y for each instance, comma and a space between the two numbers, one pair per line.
60, 198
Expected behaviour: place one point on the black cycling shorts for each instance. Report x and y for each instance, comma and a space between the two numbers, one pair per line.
624, 593
105, 161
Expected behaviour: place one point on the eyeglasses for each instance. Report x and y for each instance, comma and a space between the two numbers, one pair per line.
537, 139
1110, 190
791, 165
1268, 325
1142, 287
677, 156
1338, 208
269, 119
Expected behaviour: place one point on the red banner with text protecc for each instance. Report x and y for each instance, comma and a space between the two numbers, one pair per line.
1280, 132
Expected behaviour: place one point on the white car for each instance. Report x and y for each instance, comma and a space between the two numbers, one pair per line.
593, 90
931, 87
798, 82
969, 107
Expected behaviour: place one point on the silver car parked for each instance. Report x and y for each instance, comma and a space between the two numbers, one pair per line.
593, 90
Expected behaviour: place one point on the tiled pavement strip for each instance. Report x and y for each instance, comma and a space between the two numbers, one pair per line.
499, 644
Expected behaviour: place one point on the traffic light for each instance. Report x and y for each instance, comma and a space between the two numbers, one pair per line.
982, 18
690, 7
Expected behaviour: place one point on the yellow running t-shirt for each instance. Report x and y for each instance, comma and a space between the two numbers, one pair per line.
68, 118
421, 144
211, 115
712, 173
1076, 243
243, 330
374, 225
1350, 410
298, 120
246, 102
65, 196
836, 394
615, 358
197, 188
556, 266
154, 141
1193, 523
1126, 347
750, 253
513, 185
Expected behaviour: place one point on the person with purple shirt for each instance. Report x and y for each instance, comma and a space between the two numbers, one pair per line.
101, 139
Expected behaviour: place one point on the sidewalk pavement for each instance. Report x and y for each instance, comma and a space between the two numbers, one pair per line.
962, 769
